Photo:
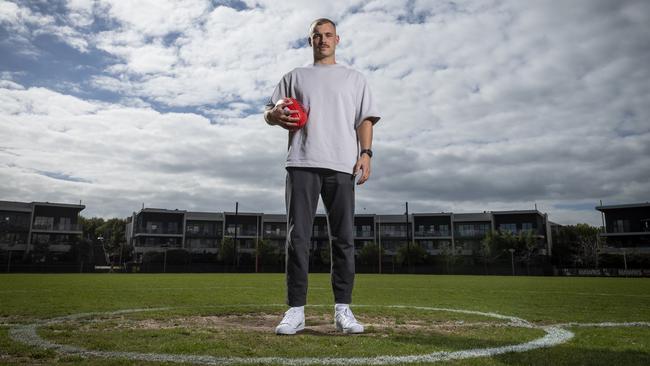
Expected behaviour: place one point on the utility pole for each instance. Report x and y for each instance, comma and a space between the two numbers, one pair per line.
408, 240
234, 244
602, 216
379, 236
257, 239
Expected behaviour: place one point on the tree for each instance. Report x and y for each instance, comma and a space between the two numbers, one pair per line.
588, 243
325, 255
492, 247
448, 256
90, 227
114, 238
527, 247
267, 253
369, 255
565, 248
579, 244
414, 252
226, 254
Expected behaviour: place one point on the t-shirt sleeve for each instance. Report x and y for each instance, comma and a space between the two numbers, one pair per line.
281, 91
366, 106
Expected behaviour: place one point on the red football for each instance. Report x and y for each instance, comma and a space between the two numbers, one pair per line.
302, 114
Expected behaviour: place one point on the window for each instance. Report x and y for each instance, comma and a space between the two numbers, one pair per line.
621, 226
645, 225
443, 230
65, 223
472, 230
44, 223
510, 228
527, 226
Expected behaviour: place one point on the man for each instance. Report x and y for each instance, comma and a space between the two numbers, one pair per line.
324, 157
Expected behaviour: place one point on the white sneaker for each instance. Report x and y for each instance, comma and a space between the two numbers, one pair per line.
346, 322
293, 321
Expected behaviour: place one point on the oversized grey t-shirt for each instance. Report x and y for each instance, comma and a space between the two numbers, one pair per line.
337, 99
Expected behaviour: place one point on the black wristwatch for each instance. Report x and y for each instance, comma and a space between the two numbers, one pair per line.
366, 151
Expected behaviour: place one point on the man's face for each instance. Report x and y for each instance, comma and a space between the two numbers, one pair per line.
323, 40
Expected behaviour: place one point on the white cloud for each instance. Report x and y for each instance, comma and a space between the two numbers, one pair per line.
132, 152
25, 25
486, 105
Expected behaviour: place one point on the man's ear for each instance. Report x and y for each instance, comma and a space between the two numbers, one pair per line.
337, 39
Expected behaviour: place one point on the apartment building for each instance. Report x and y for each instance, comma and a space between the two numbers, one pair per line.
39, 228
157, 229
627, 228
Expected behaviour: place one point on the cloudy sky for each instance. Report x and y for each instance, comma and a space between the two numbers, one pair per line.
486, 105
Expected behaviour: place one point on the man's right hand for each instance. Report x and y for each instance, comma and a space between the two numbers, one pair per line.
281, 117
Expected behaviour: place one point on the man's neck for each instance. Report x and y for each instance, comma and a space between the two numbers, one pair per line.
325, 61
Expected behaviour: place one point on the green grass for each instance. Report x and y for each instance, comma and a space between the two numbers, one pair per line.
25, 298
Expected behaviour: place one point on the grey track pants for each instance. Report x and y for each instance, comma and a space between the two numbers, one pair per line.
303, 187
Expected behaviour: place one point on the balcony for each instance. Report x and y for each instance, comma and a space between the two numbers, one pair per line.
425, 233
393, 234
203, 234
161, 231
275, 233
363, 234
471, 234
57, 227
319, 233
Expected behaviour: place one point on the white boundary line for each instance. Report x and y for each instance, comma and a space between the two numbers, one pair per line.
555, 335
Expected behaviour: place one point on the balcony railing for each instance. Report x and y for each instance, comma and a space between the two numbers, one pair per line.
471, 233
319, 233
276, 233
58, 227
393, 234
144, 230
432, 233
203, 234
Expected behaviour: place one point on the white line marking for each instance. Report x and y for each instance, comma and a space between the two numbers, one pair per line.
605, 324
555, 335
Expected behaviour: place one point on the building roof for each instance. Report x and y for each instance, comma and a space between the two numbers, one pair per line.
163, 210
629, 205
53, 204
16, 206
514, 212
471, 217
242, 213
274, 218
204, 216
393, 218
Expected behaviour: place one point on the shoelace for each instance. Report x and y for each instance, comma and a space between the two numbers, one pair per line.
292, 317
347, 318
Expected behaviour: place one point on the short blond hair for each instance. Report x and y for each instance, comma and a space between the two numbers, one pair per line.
320, 21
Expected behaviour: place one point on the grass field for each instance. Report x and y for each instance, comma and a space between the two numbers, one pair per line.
230, 318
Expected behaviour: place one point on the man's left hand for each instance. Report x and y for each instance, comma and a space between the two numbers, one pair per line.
363, 165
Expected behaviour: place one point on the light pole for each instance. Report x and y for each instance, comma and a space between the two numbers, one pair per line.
106, 255
9, 261
379, 237
512, 260
257, 244
235, 260
408, 239
165, 258
625, 260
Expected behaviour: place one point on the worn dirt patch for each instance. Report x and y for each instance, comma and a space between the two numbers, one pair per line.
265, 323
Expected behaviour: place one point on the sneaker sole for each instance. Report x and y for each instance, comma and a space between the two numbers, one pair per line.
289, 331
347, 331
